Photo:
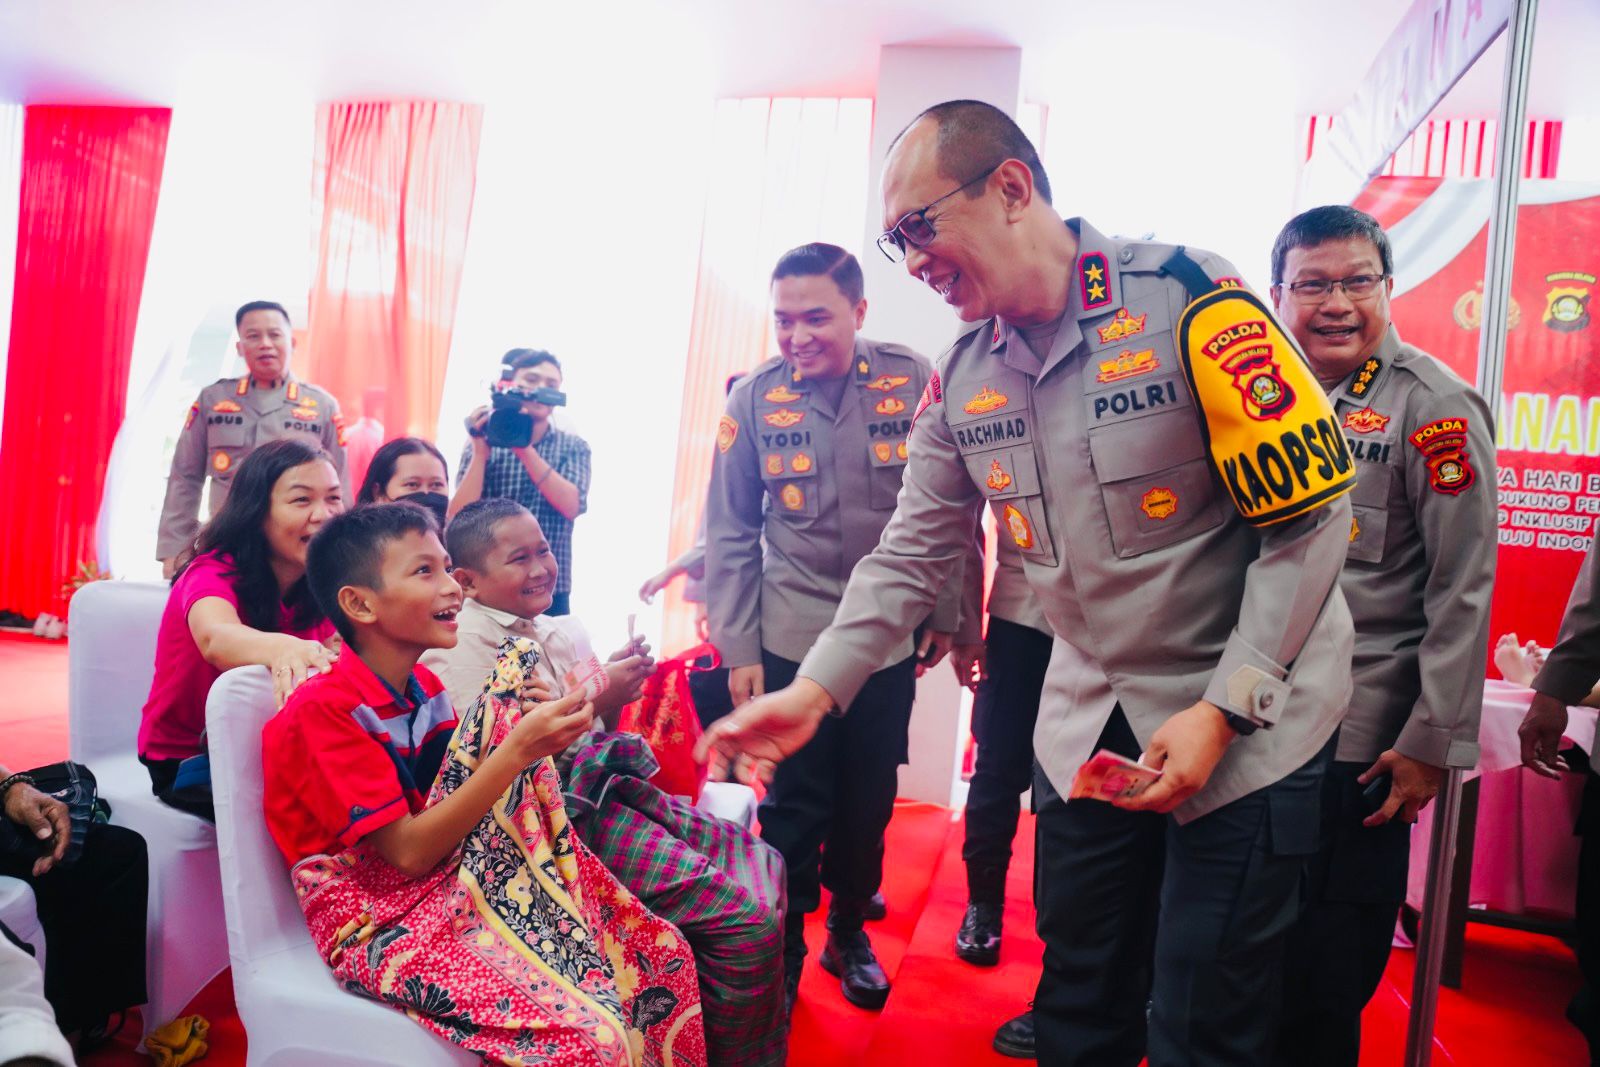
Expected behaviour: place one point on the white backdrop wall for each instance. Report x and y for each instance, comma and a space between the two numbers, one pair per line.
10, 197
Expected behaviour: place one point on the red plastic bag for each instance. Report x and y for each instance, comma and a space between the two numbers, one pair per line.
664, 716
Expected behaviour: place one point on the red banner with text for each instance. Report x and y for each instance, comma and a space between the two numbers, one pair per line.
1548, 426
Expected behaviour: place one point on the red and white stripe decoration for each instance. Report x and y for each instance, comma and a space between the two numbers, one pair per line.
1458, 148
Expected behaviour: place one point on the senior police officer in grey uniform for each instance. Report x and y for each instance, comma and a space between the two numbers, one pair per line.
1569, 677
233, 416
1218, 648
1005, 668
1418, 581
809, 459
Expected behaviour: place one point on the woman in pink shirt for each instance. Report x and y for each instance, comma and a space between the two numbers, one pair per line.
239, 597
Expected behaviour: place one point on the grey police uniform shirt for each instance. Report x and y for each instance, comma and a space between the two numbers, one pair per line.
231, 419
1420, 572
1160, 594
1573, 666
818, 485
1010, 596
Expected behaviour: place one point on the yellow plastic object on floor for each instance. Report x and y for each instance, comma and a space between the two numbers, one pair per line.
181, 1041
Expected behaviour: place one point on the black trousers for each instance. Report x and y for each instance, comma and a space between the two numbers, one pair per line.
829, 803
709, 689
93, 914
1226, 889
194, 800
1585, 1009
1340, 947
1003, 713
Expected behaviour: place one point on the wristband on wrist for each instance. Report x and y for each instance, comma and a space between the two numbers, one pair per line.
548, 471
15, 779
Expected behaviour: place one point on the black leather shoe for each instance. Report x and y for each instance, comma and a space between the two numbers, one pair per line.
875, 908
791, 993
848, 957
1015, 1037
978, 940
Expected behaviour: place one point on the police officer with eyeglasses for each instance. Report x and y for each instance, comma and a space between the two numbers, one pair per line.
1418, 579
1157, 451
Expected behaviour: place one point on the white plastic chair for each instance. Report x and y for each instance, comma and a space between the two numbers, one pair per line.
111, 655
20, 913
293, 1010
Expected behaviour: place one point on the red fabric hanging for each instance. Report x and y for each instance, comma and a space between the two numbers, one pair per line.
90, 179
391, 201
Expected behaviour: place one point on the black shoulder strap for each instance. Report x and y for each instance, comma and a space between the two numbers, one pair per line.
1187, 271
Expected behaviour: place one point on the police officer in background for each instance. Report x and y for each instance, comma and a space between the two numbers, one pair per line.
809, 458
234, 416
1005, 668
1186, 554
1418, 580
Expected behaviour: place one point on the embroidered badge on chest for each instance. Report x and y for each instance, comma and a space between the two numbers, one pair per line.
782, 394
793, 498
1121, 327
774, 464
1128, 364
1159, 503
1365, 420
801, 463
783, 418
998, 479
985, 401
727, 433
889, 406
1019, 527
226, 406
883, 383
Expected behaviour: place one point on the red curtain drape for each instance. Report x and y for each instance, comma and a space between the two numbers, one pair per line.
90, 179
392, 199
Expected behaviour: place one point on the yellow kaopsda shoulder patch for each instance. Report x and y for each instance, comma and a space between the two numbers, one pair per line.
1270, 428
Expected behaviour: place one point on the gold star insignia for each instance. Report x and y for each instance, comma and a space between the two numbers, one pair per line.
1097, 291
1094, 272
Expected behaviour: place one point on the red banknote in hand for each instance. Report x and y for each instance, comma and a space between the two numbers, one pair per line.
1108, 776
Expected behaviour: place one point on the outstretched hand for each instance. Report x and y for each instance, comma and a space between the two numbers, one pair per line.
764, 731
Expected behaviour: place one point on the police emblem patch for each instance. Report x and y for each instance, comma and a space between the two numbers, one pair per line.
1365, 420
1468, 310
338, 426
998, 479
774, 464
1020, 528
985, 401
727, 433
1128, 365
780, 395
221, 462
1121, 327
801, 463
902, 450
889, 406
226, 406
1443, 444
783, 418
883, 451
1567, 306
793, 498
303, 413
883, 383
194, 410
1094, 285
932, 393
1159, 502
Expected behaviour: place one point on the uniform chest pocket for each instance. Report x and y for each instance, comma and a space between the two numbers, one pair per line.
1156, 482
226, 430
790, 475
1369, 512
887, 460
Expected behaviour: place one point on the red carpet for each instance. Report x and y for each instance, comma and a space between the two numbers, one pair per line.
942, 1012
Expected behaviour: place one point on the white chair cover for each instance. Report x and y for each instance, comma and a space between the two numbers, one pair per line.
293, 1010
20, 914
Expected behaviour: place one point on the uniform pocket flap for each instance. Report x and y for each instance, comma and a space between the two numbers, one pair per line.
1145, 446
1372, 484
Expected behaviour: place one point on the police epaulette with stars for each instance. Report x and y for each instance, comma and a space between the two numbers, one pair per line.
1366, 377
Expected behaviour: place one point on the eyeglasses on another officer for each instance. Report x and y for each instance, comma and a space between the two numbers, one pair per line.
916, 228
1357, 287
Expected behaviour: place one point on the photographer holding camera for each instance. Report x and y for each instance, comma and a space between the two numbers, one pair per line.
515, 453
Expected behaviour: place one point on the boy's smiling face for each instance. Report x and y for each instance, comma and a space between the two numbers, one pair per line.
416, 600
518, 573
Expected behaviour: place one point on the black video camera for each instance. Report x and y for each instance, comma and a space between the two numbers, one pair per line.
508, 426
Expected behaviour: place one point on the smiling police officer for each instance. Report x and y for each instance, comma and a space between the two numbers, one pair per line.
234, 416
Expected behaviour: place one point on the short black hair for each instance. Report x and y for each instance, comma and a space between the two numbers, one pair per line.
349, 548
259, 305
1331, 222
470, 534
817, 258
521, 358
974, 136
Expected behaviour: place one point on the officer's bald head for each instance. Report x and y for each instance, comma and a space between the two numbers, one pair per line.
972, 137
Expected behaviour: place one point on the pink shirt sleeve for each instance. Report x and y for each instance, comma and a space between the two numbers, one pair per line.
208, 575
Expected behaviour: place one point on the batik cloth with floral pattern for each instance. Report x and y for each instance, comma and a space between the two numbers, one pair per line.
521, 947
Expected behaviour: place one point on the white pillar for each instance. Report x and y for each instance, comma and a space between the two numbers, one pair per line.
912, 78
